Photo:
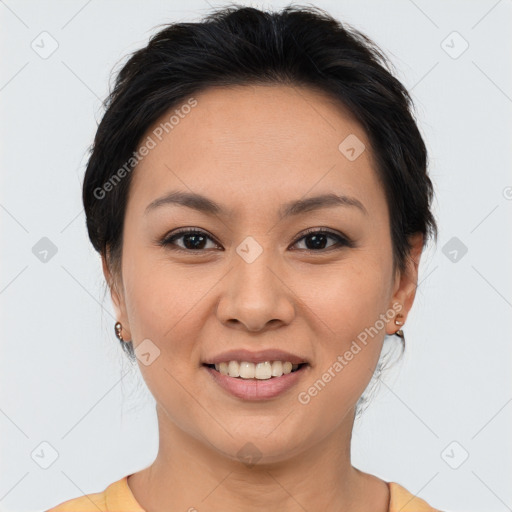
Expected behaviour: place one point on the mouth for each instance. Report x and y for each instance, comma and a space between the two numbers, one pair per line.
256, 381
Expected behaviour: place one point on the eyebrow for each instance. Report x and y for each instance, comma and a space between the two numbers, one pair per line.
208, 206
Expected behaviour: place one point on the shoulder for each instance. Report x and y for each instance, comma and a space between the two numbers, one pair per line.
401, 500
87, 503
117, 497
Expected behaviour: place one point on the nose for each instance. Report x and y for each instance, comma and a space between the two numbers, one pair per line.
255, 296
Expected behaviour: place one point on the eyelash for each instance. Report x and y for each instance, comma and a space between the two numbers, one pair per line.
342, 241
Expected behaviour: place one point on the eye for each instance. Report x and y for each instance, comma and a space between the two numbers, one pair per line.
196, 240
316, 240
193, 239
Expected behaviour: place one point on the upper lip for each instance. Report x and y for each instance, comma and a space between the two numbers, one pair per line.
255, 356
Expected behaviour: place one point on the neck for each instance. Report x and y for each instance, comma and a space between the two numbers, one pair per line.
189, 474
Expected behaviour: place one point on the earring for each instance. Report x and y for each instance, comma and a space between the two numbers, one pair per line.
398, 322
118, 328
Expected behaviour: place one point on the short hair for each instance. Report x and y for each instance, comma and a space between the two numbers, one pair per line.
235, 45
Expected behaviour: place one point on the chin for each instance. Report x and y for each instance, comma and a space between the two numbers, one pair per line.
252, 447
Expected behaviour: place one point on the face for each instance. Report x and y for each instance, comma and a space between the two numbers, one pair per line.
266, 268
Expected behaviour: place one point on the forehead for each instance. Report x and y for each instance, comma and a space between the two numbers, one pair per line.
275, 142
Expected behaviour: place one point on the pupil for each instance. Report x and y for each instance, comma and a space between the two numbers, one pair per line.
319, 241
197, 240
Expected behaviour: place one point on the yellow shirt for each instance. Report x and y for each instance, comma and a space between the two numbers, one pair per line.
117, 497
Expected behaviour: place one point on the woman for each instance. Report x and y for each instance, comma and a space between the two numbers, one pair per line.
258, 193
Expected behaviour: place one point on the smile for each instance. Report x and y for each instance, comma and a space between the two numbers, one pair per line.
256, 381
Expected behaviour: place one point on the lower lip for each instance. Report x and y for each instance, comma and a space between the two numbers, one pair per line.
257, 389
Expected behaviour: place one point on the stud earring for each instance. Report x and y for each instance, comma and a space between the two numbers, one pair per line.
118, 330
398, 322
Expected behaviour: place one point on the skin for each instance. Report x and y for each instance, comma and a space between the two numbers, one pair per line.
251, 149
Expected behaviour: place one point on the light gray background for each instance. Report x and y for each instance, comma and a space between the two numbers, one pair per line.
64, 380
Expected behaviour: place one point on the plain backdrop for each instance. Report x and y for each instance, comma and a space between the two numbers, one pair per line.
75, 417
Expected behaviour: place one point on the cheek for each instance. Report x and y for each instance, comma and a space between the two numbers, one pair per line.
348, 346
349, 302
161, 301
348, 297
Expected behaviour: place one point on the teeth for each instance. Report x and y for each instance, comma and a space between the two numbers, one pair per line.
247, 370
277, 369
233, 369
264, 370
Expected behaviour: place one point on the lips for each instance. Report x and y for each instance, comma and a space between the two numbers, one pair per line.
290, 369
254, 389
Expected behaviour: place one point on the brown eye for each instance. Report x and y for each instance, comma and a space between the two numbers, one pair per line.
318, 240
191, 240
196, 240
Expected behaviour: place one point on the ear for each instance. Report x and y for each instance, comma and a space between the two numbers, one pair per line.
117, 295
406, 283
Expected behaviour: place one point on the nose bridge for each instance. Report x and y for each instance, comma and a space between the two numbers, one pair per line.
255, 272
255, 294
